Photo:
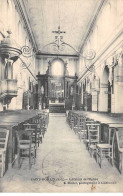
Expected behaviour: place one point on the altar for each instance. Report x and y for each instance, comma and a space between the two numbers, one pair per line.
56, 106
55, 90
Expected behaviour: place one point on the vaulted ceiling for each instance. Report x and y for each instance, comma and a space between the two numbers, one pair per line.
73, 16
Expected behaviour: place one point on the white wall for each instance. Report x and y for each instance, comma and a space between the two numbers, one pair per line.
42, 64
106, 38
11, 20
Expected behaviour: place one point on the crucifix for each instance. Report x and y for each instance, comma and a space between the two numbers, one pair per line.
58, 39
59, 31
59, 45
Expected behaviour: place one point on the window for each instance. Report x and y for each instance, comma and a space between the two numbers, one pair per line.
57, 68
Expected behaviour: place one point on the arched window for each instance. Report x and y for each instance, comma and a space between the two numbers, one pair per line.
57, 68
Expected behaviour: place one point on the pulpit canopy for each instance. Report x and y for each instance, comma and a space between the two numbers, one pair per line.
9, 48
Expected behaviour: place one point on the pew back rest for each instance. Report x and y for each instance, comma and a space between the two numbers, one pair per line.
4, 134
120, 134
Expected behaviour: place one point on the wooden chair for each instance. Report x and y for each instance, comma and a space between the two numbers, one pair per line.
93, 137
4, 134
104, 150
79, 126
39, 134
33, 128
39, 129
88, 122
41, 126
25, 148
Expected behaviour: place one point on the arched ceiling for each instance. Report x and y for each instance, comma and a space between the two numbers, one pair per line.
73, 16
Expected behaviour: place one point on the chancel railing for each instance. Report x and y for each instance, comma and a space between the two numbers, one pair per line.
57, 105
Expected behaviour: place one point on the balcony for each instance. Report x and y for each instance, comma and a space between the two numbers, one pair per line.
8, 89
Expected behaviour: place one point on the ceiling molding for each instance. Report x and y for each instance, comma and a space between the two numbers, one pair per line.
19, 4
92, 23
39, 55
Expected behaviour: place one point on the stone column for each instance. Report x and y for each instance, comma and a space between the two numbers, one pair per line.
118, 88
85, 101
27, 100
74, 92
82, 93
49, 87
94, 101
103, 98
39, 96
65, 88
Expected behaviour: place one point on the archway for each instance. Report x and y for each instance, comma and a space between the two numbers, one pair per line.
57, 68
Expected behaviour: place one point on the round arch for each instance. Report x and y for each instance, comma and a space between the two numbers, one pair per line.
57, 67
105, 75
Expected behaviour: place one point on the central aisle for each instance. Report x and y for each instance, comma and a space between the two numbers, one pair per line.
62, 165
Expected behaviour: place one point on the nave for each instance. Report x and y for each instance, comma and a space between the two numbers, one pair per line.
61, 89
62, 157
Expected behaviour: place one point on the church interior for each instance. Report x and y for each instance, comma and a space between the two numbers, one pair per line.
61, 96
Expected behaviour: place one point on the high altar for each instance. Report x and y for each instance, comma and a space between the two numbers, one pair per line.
56, 89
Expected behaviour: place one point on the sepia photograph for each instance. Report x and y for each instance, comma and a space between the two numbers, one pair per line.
61, 96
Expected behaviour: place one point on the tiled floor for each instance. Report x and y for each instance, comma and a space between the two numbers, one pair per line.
63, 165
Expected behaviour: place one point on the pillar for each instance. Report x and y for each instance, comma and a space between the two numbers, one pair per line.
28, 102
103, 98
39, 96
94, 101
118, 87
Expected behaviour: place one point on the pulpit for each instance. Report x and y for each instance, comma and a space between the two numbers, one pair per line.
9, 53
